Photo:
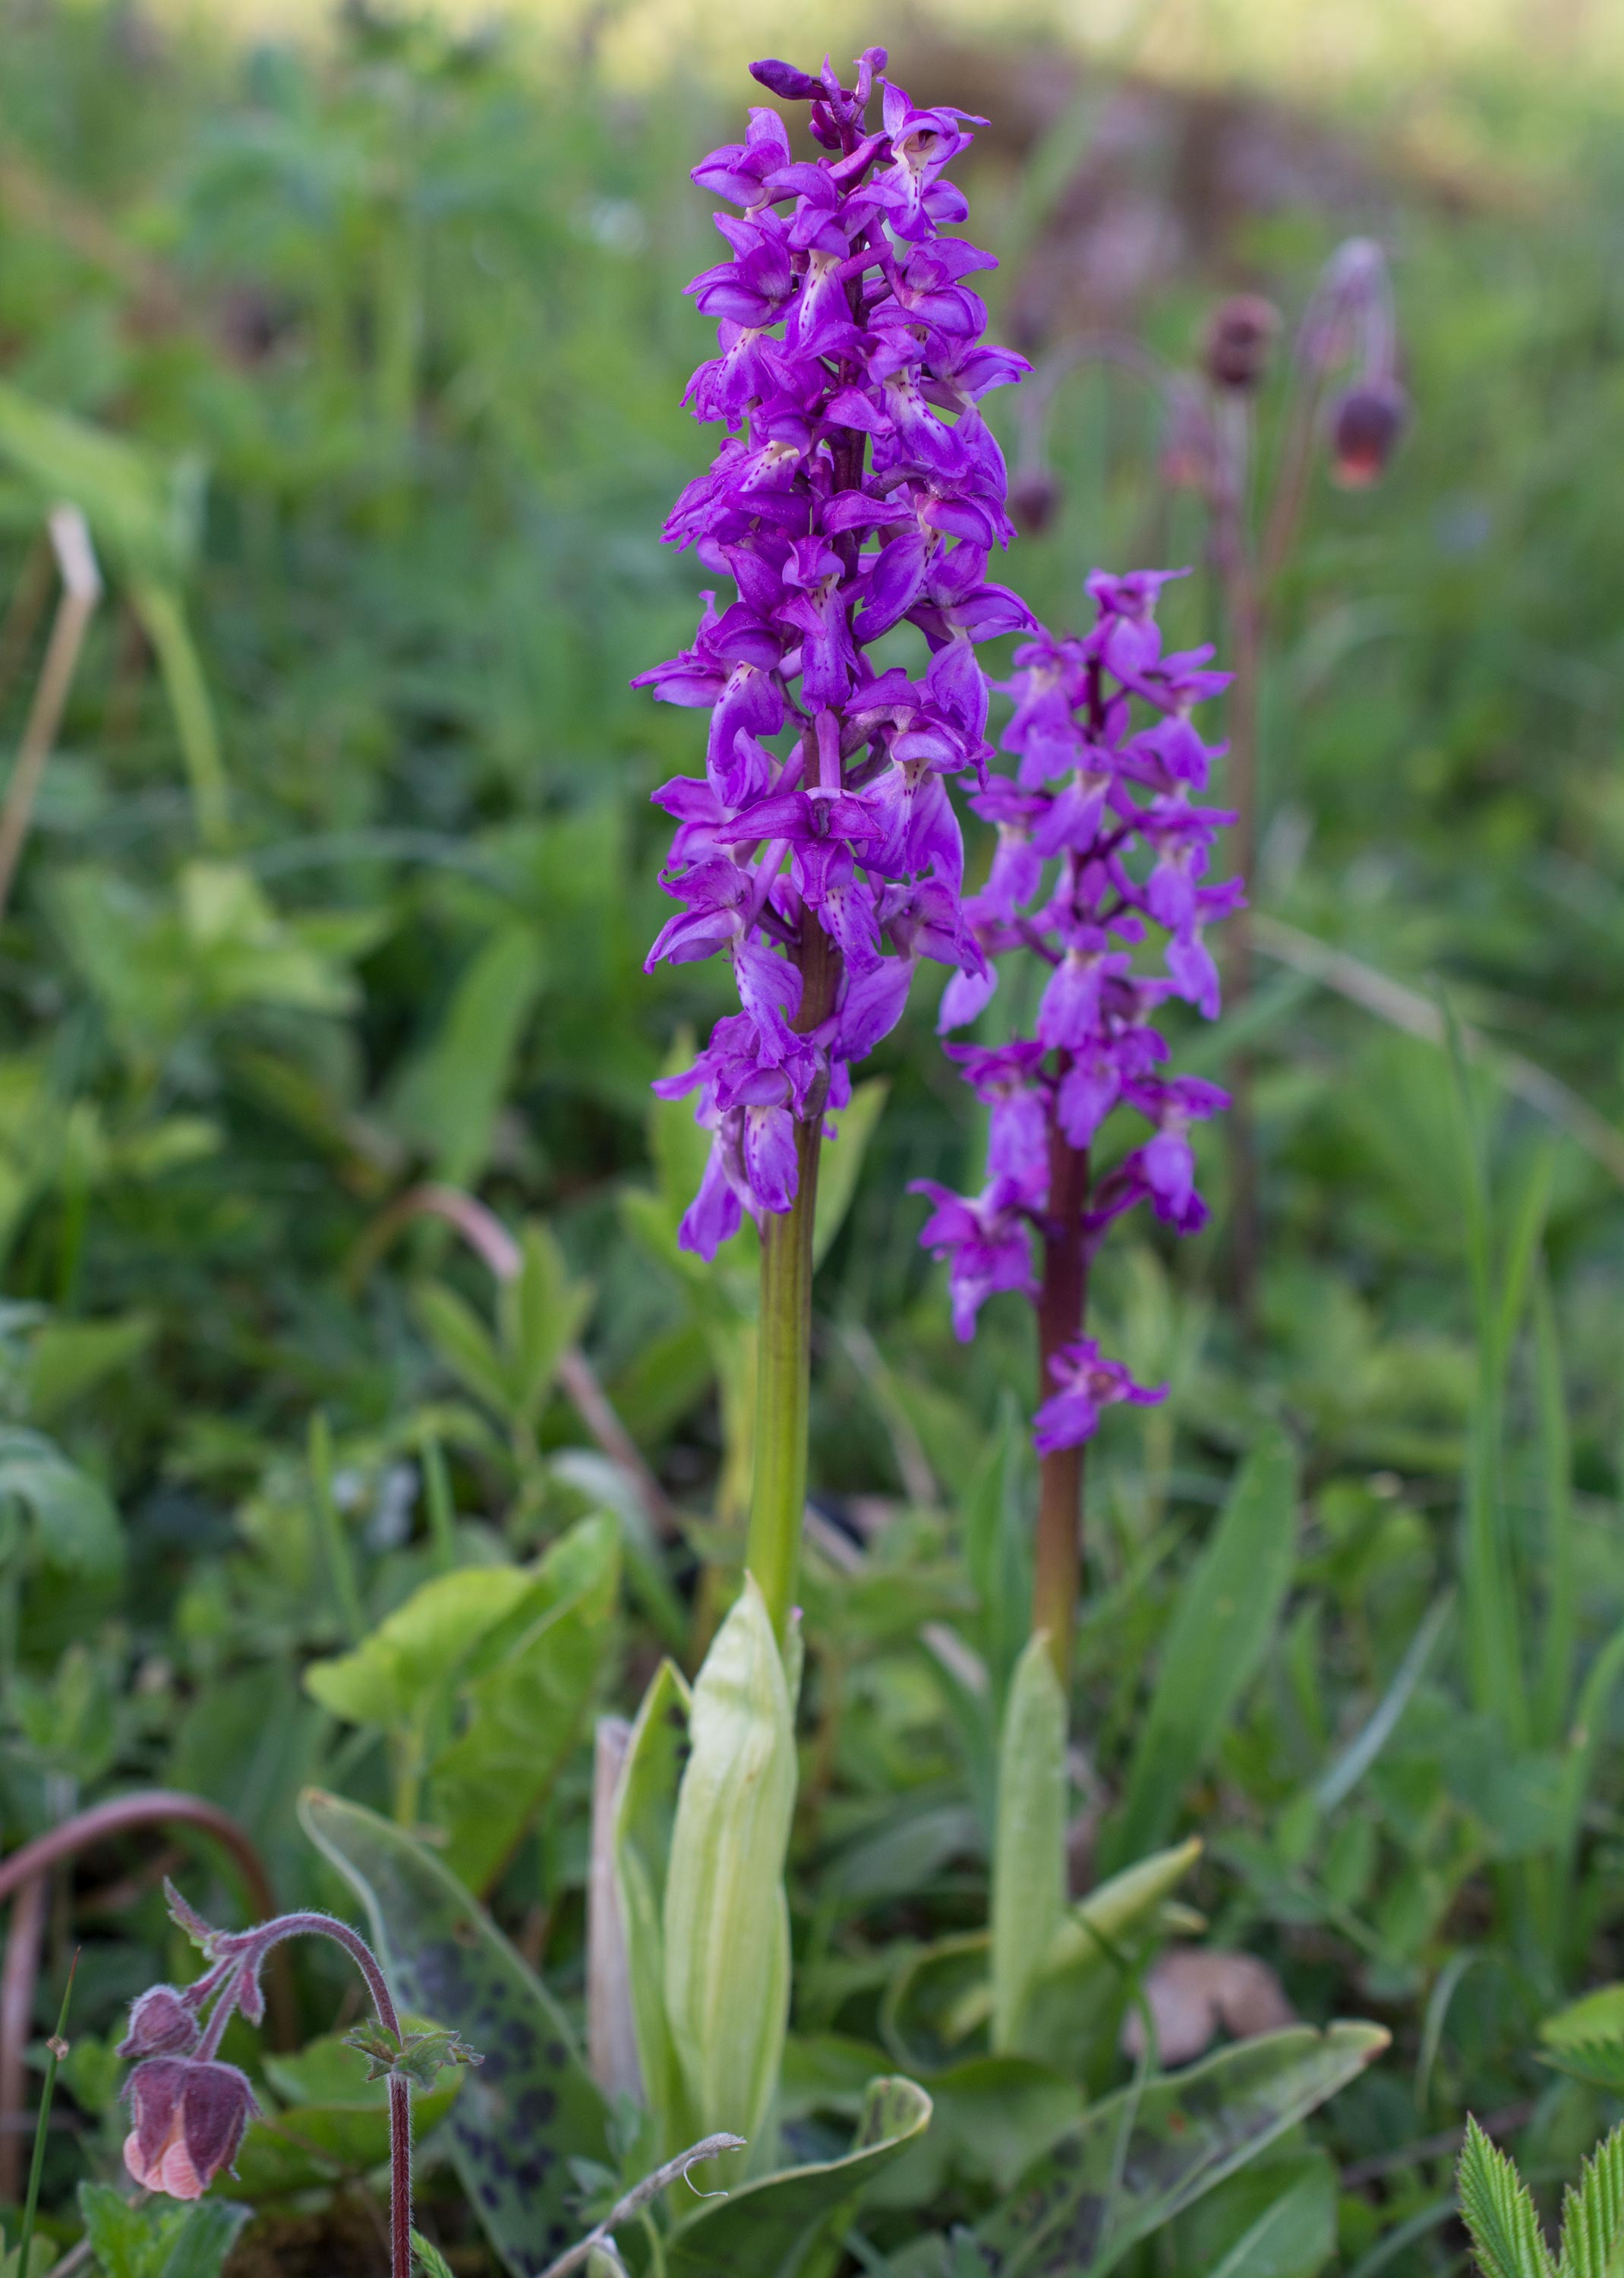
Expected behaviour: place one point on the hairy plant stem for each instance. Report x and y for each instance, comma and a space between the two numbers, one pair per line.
783, 1366
1062, 1303
318, 1925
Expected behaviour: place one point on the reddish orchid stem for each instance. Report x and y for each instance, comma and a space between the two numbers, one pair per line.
1062, 1304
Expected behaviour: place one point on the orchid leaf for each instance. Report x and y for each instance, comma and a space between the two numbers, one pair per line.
1137, 2159
769, 2229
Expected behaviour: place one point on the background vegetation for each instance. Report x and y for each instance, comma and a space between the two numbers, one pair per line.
390, 328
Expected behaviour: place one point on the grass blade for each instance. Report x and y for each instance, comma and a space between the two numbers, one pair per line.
1558, 1645
55, 2050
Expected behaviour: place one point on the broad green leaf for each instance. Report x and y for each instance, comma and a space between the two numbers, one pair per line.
991, 2118
1586, 2040
160, 2238
903, 1853
524, 1713
767, 2229
1595, 2017
419, 1649
1593, 2215
1076, 2002
1214, 1645
1292, 2229
43, 2257
841, 1159
1498, 2212
202, 2242
938, 1998
1117, 1909
447, 1098
531, 2107
127, 2240
1138, 2157
67, 1359
725, 1924
75, 1527
465, 1346
133, 503
943, 1993
244, 952
644, 1813
307, 2146
541, 1311
1029, 1863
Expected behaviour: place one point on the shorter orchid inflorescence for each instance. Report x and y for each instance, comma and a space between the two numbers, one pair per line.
1101, 843
189, 2110
843, 504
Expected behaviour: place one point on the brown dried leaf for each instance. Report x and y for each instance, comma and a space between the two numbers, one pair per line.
1194, 1990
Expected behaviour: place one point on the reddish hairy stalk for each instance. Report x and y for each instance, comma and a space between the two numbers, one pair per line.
1062, 1304
81, 589
246, 1950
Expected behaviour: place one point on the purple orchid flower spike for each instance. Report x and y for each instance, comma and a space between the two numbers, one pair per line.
842, 503
1103, 846
857, 488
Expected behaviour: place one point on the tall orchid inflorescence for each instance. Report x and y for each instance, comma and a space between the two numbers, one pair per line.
1102, 844
858, 487
840, 503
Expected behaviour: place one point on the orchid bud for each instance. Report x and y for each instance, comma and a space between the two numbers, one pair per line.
1366, 424
190, 2114
785, 81
726, 1922
1240, 341
161, 2024
1035, 494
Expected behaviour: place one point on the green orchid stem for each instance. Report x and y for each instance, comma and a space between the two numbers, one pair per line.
783, 1366
1062, 1302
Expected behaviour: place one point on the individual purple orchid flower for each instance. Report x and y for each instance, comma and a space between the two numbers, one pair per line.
1103, 846
858, 487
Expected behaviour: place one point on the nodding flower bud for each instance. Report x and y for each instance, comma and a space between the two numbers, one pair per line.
161, 2024
1240, 342
190, 2114
1035, 494
1366, 424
